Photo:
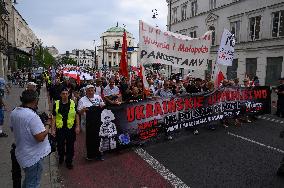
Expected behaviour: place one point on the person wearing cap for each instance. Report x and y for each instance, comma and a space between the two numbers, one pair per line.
280, 102
31, 86
91, 106
31, 140
65, 125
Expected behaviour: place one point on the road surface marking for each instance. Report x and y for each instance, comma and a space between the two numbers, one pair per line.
255, 142
161, 169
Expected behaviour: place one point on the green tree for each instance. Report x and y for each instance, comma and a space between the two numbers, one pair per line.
23, 61
43, 57
68, 61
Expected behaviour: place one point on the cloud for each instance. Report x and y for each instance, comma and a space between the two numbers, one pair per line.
71, 24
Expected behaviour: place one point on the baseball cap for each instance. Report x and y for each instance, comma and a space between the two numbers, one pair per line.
32, 84
90, 86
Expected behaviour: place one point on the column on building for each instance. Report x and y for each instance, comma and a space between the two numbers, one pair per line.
112, 59
116, 58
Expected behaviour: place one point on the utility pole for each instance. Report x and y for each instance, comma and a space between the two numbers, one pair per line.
95, 56
170, 28
170, 20
103, 52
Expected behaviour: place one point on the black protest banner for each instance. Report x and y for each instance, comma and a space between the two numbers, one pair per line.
145, 119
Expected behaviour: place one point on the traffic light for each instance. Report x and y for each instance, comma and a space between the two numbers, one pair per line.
116, 45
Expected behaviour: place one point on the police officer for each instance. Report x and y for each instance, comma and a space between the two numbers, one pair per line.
65, 126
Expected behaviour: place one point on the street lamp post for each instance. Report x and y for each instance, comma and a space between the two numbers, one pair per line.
155, 14
95, 56
103, 52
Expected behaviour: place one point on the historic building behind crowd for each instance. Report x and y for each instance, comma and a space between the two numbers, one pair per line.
258, 26
17, 38
83, 58
109, 51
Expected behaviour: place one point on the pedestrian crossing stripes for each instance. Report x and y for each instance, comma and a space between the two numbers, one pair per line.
270, 119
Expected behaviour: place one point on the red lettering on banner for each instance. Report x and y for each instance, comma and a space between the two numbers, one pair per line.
218, 97
198, 101
188, 104
179, 103
142, 26
130, 114
172, 106
158, 109
139, 110
228, 95
250, 94
165, 107
148, 134
149, 110
257, 94
245, 95
223, 96
264, 94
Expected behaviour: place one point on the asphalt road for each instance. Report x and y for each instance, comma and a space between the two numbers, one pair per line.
246, 156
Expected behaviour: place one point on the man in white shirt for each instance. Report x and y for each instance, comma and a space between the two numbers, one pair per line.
112, 93
32, 144
92, 105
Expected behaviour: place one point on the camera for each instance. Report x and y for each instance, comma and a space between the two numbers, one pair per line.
44, 117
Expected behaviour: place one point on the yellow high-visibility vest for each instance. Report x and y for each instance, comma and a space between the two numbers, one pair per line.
71, 115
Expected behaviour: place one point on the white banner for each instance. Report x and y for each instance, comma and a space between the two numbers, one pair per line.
226, 50
173, 49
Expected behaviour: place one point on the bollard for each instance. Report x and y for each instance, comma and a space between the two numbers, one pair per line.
16, 169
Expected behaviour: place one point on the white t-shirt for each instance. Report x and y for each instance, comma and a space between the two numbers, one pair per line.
98, 91
86, 102
113, 91
25, 123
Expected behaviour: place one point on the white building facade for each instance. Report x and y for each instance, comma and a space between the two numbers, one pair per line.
258, 26
84, 58
108, 55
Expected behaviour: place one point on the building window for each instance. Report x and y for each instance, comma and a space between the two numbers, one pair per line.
194, 8
235, 29
175, 19
193, 34
232, 71
251, 67
212, 28
212, 4
254, 26
278, 24
183, 11
273, 70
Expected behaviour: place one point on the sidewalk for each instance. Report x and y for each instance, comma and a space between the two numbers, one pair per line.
50, 173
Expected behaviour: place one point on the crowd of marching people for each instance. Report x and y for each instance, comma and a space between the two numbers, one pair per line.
79, 104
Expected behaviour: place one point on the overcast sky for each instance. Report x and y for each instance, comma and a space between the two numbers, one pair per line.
71, 24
